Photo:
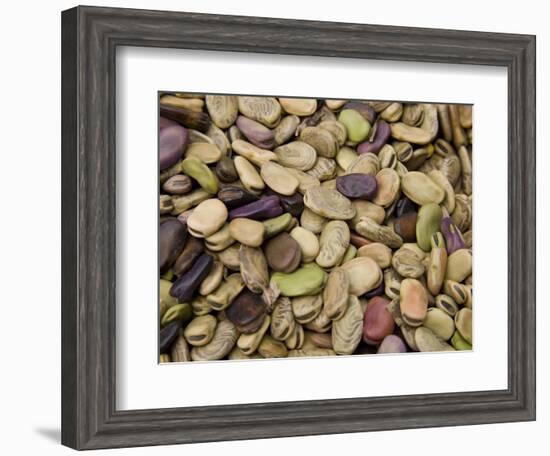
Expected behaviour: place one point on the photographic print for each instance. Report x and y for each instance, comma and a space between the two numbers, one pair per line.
298, 227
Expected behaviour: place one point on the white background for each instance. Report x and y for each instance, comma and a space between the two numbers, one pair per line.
141, 72
30, 238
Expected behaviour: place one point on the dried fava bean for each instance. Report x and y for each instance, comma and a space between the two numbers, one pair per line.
446, 304
462, 215
265, 208
367, 209
164, 293
312, 221
172, 237
388, 184
307, 280
347, 330
200, 330
234, 197
357, 126
299, 106
230, 257
404, 206
380, 253
200, 306
247, 312
286, 129
254, 270
282, 319
336, 293
249, 343
212, 280
427, 341
223, 109
329, 203
256, 133
219, 138
439, 322
207, 218
333, 243
366, 163
378, 233
427, 224
438, 264
364, 275
207, 153
337, 129
459, 265
254, 154
220, 240
320, 324
306, 308
351, 253
283, 253
184, 202
193, 248
179, 351
265, 110
226, 171
226, 292
440, 179
378, 321
179, 184
184, 287
424, 133
408, 261
247, 231
278, 178
297, 154
421, 189
357, 186
196, 169
248, 175
323, 169
463, 322
222, 343
345, 157
413, 302
271, 348
459, 343
392, 344
168, 335
276, 225
308, 242
455, 290
453, 238
238, 354
323, 141
393, 112
405, 226
296, 338
178, 312
172, 142
379, 137
305, 181
321, 340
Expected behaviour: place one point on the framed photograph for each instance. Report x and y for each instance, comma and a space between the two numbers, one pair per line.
280, 228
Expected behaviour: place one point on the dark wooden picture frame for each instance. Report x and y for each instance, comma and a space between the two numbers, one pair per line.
90, 37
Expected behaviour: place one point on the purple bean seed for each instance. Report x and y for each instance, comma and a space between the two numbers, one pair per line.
392, 344
294, 204
357, 185
256, 133
184, 287
378, 139
168, 335
172, 142
265, 208
453, 237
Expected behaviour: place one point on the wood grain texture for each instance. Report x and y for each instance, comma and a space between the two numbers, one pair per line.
89, 39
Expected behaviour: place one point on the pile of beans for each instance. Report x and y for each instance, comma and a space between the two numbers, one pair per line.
294, 227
